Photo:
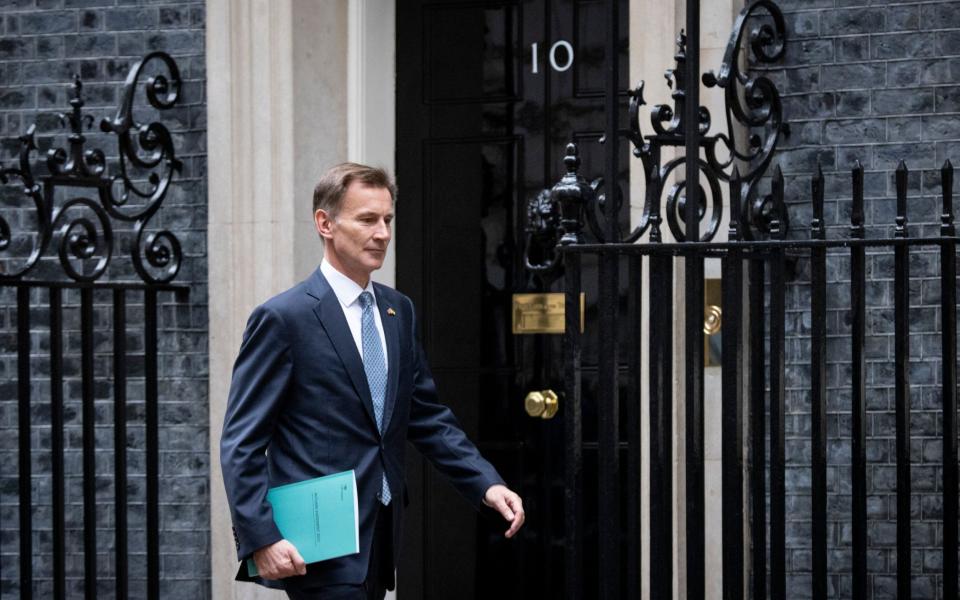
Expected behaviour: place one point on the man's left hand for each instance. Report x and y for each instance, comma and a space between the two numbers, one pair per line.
507, 503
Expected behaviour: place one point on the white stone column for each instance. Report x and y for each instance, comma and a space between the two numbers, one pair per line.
654, 26
277, 100
371, 97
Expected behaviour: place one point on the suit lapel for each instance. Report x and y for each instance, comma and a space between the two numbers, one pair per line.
392, 335
330, 314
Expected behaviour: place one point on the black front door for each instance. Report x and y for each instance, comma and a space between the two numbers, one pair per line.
488, 95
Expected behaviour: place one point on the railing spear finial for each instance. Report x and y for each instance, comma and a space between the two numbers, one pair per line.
856, 214
733, 233
776, 189
816, 225
946, 184
901, 181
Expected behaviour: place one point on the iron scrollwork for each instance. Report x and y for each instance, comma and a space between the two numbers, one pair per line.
752, 105
754, 102
34, 192
755, 124
146, 163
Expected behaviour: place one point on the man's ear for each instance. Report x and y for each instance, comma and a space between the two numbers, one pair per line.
323, 223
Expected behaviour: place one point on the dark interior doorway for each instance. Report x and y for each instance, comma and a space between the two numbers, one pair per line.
488, 95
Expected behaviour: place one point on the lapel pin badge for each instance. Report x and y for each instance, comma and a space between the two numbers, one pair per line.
391, 312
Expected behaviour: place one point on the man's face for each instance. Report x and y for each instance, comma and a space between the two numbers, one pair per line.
355, 242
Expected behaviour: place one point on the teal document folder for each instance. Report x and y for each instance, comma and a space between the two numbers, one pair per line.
318, 516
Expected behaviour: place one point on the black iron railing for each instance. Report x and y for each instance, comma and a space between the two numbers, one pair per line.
761, 395
82, 231
754, 125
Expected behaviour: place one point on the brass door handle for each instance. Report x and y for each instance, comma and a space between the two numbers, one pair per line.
543, 404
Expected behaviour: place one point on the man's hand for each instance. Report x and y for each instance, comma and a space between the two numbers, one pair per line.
279, 560
508, 504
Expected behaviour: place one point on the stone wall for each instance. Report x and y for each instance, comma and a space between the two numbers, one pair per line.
43, 43
876, 82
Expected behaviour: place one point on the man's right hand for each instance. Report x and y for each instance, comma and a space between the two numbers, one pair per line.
279, 560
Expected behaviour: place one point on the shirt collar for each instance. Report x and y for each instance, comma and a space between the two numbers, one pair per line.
346, 289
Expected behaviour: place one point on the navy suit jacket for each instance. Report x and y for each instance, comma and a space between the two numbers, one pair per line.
299, 408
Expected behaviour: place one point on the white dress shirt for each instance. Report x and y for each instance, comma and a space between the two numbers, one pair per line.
348, 293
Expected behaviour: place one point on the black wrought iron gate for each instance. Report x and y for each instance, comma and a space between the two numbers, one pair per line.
756, 262
753, 409
88, 330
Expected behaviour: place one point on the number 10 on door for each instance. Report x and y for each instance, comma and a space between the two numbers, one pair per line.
555, 64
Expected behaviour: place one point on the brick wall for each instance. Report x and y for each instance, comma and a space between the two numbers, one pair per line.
43, 43
875, 82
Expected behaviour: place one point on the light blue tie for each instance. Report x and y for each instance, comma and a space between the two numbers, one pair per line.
375, 367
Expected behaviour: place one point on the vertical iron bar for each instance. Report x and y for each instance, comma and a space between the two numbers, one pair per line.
777, 483
948, 308
902, 385
818, 389
634, 423
56, 442
573, 429
608, 418
120, 439
731, 280
654, 191
608, 431
661, 426
89, 444
758, 429
23, 437
693, 275
693, 334
732, 423
152, 443
691, 121
858, 308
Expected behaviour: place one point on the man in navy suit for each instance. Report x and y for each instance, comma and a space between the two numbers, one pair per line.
330, 377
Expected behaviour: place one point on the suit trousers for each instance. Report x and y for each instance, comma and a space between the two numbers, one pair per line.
379, 573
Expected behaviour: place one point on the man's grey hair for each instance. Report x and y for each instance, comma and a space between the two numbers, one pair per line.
329, 192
